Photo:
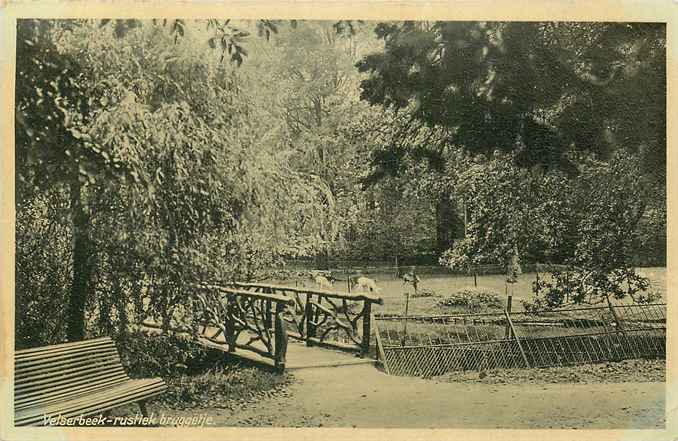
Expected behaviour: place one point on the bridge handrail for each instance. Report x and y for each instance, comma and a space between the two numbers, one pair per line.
315, 315
253, 312
331, 294
278, 298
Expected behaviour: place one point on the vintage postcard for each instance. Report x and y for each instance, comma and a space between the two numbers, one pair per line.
350, 219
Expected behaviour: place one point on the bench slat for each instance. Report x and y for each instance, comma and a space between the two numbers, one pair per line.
25, 375
73, 379
120, 388
91, 341
103, 394
40, 398
46, 358
89, 379
94, 409
64, 347
32, 364
67, 379
64, 389
129, 391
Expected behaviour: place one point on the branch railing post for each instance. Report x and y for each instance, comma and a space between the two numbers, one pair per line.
269, 315
268, 323
280, 348
229, 325
367, 315
310, 326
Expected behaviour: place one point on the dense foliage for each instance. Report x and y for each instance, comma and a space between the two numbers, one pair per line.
151, 155
175, 179
590, 223
534, 88
196, 377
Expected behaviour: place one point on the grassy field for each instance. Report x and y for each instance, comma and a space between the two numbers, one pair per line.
393, 290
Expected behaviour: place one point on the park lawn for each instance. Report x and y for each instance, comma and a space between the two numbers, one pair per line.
393, 290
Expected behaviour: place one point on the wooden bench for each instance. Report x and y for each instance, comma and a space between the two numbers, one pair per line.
83, 378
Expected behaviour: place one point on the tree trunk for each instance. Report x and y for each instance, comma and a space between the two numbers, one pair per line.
446, 223
82, 264
323, 257
465, 219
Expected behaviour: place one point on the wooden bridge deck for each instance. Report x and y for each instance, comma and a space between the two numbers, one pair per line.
299, 356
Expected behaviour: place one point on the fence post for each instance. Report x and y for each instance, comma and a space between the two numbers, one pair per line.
620, 327
280, 338
229, 325
508, 332
367, 314
515, 335
407, 305
380, 346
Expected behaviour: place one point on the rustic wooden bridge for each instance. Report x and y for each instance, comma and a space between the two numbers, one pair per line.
271, 324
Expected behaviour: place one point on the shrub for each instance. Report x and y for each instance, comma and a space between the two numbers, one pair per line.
577, 286
196, 377
472, 300
221, 385
146, 354
424, 293
43, 270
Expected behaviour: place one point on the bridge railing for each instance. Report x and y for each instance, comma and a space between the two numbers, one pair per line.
322, 317
248, 320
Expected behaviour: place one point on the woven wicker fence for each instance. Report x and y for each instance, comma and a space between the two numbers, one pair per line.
433, 345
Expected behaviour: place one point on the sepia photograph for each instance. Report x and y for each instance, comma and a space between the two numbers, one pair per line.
339, 223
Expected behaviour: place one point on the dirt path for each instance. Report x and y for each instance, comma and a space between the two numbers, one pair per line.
362, 396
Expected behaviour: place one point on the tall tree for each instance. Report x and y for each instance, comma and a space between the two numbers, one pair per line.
536, 88
305, 76
164, 160
48, 152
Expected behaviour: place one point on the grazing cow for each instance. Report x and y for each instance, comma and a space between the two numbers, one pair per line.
323, 282
368, 284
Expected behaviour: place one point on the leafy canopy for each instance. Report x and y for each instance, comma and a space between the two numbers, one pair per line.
534, 88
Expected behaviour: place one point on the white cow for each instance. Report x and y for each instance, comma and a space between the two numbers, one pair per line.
367, 283
323, 282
